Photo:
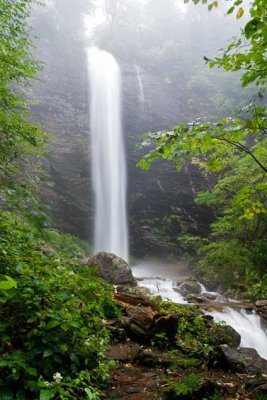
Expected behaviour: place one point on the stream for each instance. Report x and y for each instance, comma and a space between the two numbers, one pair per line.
164, 281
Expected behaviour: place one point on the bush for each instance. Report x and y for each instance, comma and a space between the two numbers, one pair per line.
51, 333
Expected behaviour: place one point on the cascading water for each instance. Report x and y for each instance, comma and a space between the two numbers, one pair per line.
164, 288
248, 325
142, 100
140, 84
108, 154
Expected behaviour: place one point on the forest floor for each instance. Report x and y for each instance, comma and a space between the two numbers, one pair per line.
145, 371
133, 381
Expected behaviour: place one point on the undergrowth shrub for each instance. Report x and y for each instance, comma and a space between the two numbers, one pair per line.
52, 338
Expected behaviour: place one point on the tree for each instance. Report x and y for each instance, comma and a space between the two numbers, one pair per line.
17, 68
234, 150
247, 52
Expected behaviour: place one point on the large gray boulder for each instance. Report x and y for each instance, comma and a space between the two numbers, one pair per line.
112, 268
190, 287
245, 360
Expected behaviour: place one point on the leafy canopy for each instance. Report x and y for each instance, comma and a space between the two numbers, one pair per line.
234, 150
17, 69
246, 53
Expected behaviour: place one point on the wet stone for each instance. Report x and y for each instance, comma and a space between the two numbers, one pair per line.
123, 351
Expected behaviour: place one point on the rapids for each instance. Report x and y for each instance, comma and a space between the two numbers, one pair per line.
249, 325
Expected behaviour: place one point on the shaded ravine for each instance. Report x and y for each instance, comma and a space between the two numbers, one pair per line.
249, 325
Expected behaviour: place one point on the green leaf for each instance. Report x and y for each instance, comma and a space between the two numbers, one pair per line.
48, 353
7, 284
75, 324
251, 27
32, 371
52, 324
240, 13
47, 394
91, 394
231, 9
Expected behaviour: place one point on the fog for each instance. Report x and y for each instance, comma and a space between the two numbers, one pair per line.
160, 46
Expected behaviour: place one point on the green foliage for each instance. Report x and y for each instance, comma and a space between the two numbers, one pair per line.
7, 283
232, 152
185, 386
237, 243
66, 243
261, 395
160, 340
52, 321
208, 142
17, 69
247, 52
52, 338
258, 290
215, 396
177, 309
193, 386
193, 336
181, 361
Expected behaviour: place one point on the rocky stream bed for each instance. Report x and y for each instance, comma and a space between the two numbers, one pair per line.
175, 352
147, 370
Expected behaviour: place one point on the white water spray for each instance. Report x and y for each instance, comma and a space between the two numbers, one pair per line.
164, 288
108, 154
248, 325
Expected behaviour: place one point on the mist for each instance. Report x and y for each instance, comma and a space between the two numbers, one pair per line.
160, 46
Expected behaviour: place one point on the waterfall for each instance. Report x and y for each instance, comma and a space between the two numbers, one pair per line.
140, 84
108, 154
248, 325
141, 96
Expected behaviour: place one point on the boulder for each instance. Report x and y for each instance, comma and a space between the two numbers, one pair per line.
135, 290
123, 351
245, 360
117, 333
225, 334
257, 385
193, 298
190, 287
261, 303
261, 308
154, 358
263, 314
112, 268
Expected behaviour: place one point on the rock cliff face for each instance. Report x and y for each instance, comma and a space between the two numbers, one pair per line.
160, 202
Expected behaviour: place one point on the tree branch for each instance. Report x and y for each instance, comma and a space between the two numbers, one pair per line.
241, 147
